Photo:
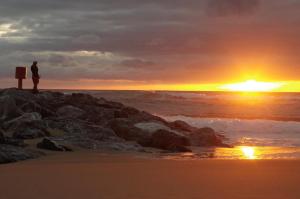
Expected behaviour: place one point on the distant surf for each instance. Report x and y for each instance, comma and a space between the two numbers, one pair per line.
250, 132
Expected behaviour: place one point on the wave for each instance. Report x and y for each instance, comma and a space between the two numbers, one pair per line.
250, 132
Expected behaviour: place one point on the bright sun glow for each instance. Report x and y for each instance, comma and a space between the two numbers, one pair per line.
5, 29
252, 86
248, 152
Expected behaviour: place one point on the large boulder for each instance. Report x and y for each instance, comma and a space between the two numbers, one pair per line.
2, 138
18, 101
77, 99
10, 154
152, 127
70, 111
40, 108
25, 118
14, 142
49, 96
206, 137
23, 95
27, 126
9, 140
100, 133
49, 144
181, 126
8, 108
109, 104
167, 140
29, 133
97, 115
126, 130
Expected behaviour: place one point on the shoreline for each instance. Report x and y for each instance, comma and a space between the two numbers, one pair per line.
94, 176
275, 119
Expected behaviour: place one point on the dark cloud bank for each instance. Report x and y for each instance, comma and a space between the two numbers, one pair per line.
164, 41
232, 7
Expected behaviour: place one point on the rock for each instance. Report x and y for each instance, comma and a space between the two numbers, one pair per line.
97, 115
52, 145
166, 140
18, 94
108, 104
2, 138
49, 96
8, 108
29, 133
87, 121
77, 99
126, 130
70, 111
10, 141
96, 132
25, 118
206, 137
182, 126
14, 142
143, 116
129, 111
10, 154
151, 127
27, 126
31, 106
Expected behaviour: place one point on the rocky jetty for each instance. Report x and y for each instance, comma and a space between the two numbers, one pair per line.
62, 121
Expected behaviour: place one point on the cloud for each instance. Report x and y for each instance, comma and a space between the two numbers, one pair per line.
137, 63
232, 7
167, 41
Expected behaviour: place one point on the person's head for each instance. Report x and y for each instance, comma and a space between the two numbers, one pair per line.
35, 63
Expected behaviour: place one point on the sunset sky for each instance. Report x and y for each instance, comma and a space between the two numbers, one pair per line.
155, 45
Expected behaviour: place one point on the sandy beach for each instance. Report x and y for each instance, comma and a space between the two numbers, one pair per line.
93, 175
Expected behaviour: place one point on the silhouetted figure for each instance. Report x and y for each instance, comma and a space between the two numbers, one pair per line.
35, 76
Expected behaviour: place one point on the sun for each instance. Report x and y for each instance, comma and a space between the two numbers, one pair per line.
252, 86
248, 152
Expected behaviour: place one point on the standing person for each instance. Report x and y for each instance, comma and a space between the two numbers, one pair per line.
35, 76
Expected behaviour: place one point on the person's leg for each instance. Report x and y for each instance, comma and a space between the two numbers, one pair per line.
34, 85
37, 83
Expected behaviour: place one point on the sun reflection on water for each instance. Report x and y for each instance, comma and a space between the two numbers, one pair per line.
239, 152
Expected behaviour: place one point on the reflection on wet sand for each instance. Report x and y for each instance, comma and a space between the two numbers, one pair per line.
239, 152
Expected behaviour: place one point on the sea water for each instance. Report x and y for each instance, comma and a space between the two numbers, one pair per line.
259, 126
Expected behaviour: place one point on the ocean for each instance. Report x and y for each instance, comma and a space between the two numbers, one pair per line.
266, 125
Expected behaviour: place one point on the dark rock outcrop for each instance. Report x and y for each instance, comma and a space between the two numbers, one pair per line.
182, 126
93, 123
10, 154
167, 140
25, 132
24, 118
2, 138
10, 141
100, 133
206, 137
8, 108
48, 144
70, 112
26, 126
126, 130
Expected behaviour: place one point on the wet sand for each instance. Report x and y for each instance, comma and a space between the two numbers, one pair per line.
95, 176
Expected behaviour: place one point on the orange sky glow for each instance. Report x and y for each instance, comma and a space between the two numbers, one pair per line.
203, 45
